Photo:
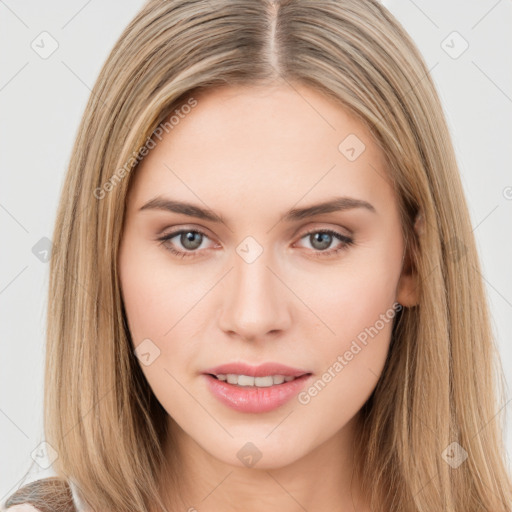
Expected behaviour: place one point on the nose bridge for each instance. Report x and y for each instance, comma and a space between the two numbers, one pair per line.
255, 300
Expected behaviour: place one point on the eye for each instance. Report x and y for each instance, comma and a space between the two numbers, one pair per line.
189, 239
192, 239
321, 239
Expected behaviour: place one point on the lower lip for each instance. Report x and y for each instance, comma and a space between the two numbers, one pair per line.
254, 399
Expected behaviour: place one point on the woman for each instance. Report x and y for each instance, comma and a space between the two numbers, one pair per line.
265, 195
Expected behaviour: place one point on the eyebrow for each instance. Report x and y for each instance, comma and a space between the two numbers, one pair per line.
334, 205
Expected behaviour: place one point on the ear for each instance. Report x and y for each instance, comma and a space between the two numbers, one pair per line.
407, 292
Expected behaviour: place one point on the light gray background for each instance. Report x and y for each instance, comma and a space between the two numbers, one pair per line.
42, 101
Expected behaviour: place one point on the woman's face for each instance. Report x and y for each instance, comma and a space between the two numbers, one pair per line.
261, 275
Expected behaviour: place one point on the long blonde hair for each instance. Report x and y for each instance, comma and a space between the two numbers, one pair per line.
438, 387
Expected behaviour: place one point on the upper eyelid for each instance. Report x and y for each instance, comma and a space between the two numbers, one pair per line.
323, 227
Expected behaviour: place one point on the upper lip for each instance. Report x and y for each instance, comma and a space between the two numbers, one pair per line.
261, 370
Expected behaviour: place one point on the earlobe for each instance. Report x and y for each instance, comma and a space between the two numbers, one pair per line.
408, 289
419, 224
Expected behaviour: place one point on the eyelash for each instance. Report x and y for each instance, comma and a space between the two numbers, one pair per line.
346, 242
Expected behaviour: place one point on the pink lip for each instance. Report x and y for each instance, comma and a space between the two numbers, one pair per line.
252, 399
256, 371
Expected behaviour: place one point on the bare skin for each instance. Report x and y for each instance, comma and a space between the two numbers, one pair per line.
251, 154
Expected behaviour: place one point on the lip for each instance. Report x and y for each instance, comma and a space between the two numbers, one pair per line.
256, 371
252, 399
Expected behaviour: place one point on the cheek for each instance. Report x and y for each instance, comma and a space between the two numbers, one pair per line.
164, 310
154, 294
356, 308
144, 299
348, 298
352, 341
159, 308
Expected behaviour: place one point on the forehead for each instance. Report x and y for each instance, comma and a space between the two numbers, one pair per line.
254, 146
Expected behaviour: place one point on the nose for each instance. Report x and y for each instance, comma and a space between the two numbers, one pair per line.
255, 301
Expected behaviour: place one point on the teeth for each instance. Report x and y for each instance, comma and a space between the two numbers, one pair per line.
260, 382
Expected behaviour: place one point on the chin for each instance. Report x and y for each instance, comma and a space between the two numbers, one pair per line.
259, 451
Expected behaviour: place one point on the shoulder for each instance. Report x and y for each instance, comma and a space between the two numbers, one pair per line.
25, 507
45, 495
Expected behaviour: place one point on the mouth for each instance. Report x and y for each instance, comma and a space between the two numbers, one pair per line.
250, 394
264, 381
